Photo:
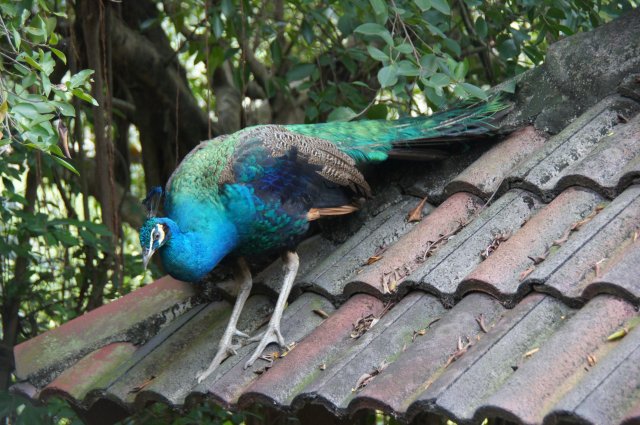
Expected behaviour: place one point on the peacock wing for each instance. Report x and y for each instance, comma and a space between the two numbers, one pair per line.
316, 161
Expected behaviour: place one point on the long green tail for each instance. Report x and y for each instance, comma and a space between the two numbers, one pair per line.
374, 140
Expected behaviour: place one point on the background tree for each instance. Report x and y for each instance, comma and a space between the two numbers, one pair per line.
99, 100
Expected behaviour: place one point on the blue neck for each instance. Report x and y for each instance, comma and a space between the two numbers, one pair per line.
191, 254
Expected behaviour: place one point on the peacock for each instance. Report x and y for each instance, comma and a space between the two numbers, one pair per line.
256, 191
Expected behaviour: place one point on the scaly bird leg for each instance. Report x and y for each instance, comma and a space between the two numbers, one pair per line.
273, 334
242, 277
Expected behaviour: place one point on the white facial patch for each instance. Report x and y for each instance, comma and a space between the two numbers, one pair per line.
151, 238
157, 233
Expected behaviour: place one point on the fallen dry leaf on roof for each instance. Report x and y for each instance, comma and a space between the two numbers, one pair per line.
373, 259
141, 387
418, 333
416, 213
321, 313
578, 224
526, 273
460, 351
363, 325
480, 320
537, 259
365, 378
495, 243
563, 238
434, 245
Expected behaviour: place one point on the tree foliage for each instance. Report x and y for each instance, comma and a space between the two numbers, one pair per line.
99, 100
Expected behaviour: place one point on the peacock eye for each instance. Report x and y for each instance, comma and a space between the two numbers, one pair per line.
156, 236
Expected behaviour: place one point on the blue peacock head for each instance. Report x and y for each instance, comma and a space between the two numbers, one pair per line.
154, 233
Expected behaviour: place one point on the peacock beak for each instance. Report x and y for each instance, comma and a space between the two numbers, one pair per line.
146, 256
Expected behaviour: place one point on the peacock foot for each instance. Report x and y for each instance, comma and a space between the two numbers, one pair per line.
271, 335
225, 349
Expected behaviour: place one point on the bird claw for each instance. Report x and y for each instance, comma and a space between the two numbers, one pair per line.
271, 335
241, 334
225, 349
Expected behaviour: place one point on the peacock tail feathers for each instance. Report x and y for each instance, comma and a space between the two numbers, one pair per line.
373, 140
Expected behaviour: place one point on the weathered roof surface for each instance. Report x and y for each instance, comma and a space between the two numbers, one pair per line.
515, 297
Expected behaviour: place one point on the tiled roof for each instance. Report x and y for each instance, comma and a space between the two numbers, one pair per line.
514, 297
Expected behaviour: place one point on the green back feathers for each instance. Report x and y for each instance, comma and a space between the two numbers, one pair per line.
200, 173
371, 140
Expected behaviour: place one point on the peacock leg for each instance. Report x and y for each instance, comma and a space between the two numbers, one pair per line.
273, 334
242, 277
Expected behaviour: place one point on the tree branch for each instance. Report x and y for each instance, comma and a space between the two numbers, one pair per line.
137, 54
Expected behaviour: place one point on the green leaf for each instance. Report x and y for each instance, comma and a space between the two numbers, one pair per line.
17, 40
65, 164
423, 4
227, 8
436, 99
59, 54
80, 78
26, 110
452, 45
404, 48
555, 13
307, 32
276, 52
342, 113
40, 119
300, 71
439, 80
377, 54
435, 30
217, 25
481, 28
461, 70
441, 6
28, 59
371, 28
408, 68
388, 76
80, 94
565, 29
507, 49
429, 63
378, 112
474, 91
379, 8
46, 84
